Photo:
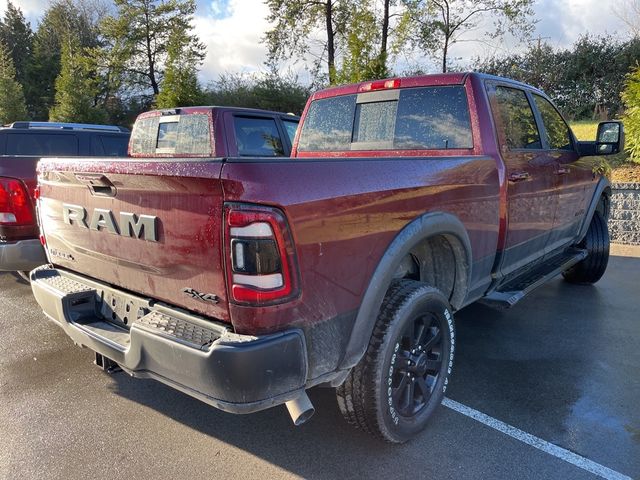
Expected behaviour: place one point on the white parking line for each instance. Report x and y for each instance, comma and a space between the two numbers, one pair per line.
550, 448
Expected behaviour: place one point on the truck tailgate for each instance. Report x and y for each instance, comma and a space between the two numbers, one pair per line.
169, 249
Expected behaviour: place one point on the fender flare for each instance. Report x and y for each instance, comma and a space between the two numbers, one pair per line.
602, 188
419, 229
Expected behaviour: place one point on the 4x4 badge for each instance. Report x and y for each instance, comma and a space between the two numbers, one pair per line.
205, 297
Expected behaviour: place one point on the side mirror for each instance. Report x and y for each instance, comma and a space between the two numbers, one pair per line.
610, 138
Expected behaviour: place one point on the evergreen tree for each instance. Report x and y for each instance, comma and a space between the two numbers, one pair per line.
63, 19
139, 36
180, 86
76, 89
12, 106
16, 35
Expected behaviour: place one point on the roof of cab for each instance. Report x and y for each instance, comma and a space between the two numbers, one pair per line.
210, 108
438, 79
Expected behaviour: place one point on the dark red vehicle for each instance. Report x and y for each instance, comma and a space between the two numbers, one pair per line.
244, 280
22, 144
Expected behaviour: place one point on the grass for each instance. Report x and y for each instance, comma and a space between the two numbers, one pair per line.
625, 169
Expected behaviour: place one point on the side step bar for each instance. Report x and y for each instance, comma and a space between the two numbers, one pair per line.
510, 293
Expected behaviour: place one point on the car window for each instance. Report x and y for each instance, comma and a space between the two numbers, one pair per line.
433, 118
418, 119
257, 137
515, 120
557, 131
114, 146
328, 124
291, 127
167, 136
188, 134
42, 145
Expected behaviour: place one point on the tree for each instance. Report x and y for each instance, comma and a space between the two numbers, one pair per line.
629, 12
180, 86
16, 35
271, 91
631, 97
436, 25
365, 54
297, 20
76, 89
62, 20
12, 106
139, 36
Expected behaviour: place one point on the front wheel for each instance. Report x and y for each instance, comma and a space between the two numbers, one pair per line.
596, 242
404, 373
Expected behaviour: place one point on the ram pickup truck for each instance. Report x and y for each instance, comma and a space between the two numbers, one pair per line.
243, 279
22, 144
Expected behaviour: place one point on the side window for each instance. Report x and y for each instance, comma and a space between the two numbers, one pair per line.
515, 120
557, 131
328, 124
257, 137
291, 128
42, 145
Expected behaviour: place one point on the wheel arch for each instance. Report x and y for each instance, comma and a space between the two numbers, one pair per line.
601, 201
410, 239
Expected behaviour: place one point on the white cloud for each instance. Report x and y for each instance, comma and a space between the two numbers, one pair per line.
234, 40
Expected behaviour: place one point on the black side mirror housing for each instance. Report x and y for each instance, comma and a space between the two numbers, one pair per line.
610, 138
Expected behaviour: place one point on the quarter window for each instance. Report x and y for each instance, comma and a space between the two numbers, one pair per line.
556, 130
516, 123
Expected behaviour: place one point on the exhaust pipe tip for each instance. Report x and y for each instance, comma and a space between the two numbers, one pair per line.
300, 409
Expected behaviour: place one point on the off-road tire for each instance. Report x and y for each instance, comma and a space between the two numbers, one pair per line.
596, 242
367, 397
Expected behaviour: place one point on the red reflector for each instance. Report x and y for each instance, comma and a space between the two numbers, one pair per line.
379, 85
15, 203
36, 193
43, 241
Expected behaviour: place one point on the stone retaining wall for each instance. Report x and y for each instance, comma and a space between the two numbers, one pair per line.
624, 220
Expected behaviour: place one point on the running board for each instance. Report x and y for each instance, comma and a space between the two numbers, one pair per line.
507, 295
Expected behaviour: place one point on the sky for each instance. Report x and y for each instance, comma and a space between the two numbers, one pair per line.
233, 30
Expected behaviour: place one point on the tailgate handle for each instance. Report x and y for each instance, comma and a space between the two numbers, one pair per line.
98, 184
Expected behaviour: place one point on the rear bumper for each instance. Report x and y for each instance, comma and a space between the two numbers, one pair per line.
22, 255
235, 373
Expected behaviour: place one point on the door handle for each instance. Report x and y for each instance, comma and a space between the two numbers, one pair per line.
563, 171
519, 176
98, 184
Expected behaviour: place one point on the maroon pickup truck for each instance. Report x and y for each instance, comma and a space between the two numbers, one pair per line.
243, 279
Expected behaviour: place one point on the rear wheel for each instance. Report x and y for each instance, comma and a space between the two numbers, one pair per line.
404, 373
596, 242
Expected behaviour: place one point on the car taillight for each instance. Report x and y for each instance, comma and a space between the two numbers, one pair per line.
15, 203
260, 257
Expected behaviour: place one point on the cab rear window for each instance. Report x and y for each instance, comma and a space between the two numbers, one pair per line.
176, 134
429, 118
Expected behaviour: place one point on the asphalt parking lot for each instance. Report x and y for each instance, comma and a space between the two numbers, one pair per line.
548, 389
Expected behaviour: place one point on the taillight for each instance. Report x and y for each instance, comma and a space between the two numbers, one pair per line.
15, 203
260, 257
